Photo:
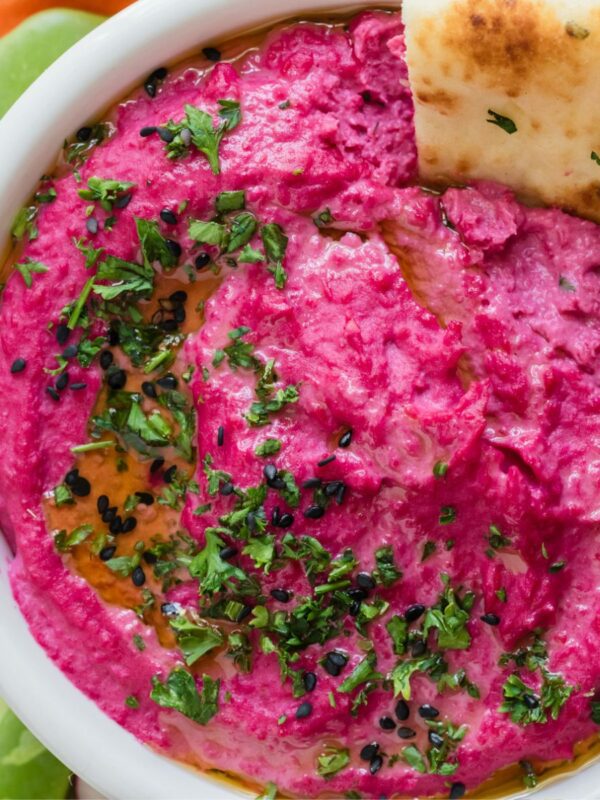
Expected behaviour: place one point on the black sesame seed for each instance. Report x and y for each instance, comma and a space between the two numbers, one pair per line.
165, 134
202, 260
174, 247
168, 381
354, 609
62, 381
70, 351
406, 733
220, 436
116, 526
457, 791
81, 487
339, 495
435, 739
107, 553
159, 74
402, 710
531, 701
281, 595
270, 472
356, 593
418, 648
369, 751
314, 512
62, 334
168, 216
106, 359
71, 476
109, 514
169, 475
91, 225
149, 558
123, 201
490, 619
138, 576
83, 134
113, 337
129, 524
117, 379
150, 88
212, 54
148, 130
331, 488
309, 681
145, 498
149, 389
335, 662
286, 520
304, 710
275, 516
345, 439
156, 464
413, 612
178, 297
428, 712
325, 461
226, 489
102, 503
79, 385
387, 723
365, 581
228, 552
179, 315
245, 612
376, 764
18, 365
312, 483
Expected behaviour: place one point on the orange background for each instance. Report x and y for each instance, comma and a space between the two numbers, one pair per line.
14, 11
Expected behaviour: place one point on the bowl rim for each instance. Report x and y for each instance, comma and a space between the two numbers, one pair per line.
78, 87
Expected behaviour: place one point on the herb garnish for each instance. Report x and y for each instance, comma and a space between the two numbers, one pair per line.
180, 693
28, 269
506, 123
198, 128
105, 191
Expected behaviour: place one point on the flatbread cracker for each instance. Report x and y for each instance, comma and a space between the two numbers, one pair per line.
509, 90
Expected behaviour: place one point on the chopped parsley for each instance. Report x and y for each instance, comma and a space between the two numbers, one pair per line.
65, 542
275, 243
440, 469
447, 515
105, 192
195, 638
448, 618
386, 572
180, 693
28, 269
153, 245
198, 128
506, 123
268, 448
332, 760
25, 223
214, 574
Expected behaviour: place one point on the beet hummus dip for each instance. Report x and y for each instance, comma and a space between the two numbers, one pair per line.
301, 459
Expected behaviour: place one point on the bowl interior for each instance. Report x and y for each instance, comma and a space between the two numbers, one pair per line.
77, 88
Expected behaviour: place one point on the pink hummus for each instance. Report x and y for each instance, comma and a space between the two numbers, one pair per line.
455, 336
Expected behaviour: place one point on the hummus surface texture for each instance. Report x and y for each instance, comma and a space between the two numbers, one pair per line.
385, 455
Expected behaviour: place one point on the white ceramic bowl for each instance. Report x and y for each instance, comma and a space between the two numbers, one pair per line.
78, 87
